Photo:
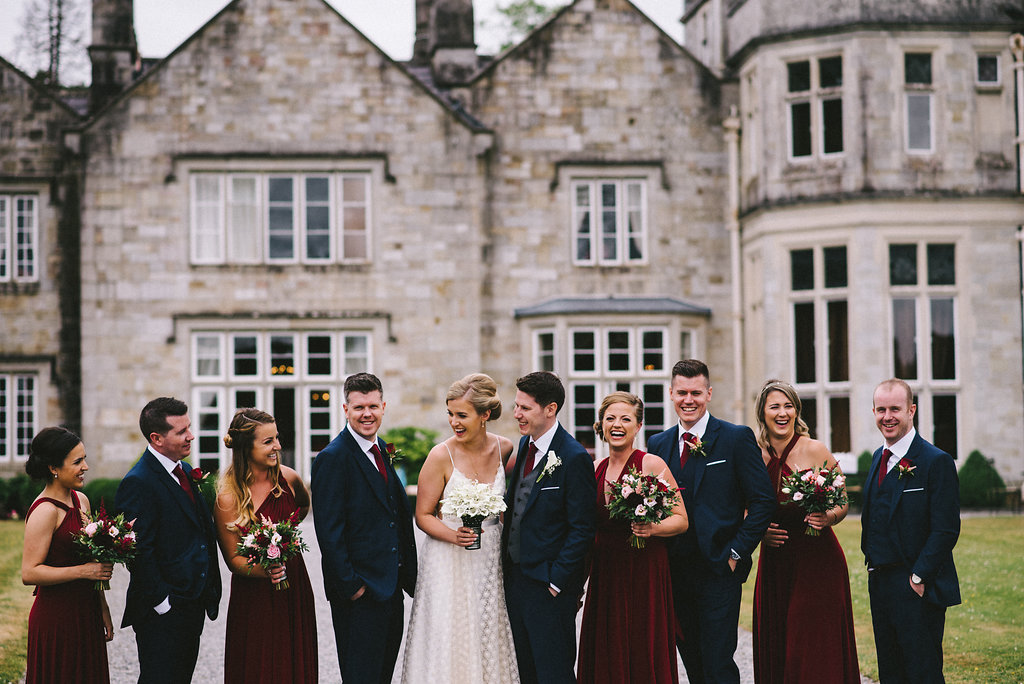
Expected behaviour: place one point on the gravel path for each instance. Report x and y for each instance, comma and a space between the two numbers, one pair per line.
210, 668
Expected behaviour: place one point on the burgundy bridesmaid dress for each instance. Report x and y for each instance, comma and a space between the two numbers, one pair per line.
65, 626
628, 633
803, 615
270, 633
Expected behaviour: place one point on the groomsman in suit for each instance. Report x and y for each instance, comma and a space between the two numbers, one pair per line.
909, 526
175, 576
549, 528
364, 526
729, 500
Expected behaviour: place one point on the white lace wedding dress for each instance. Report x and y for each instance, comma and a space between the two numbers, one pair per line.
459, 631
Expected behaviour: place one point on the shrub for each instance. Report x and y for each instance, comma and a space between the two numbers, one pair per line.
414, 443
101, 491
855, 481
980, 483
21, 492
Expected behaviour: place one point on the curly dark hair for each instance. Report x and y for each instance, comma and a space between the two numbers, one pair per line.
544, 387
48, 450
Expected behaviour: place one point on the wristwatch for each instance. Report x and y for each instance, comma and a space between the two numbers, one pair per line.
734, 555
915, 579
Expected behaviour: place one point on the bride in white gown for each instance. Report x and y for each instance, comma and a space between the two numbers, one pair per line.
459, 631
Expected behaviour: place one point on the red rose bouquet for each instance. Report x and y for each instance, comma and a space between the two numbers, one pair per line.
105, 539
641, 498
816, 490
267, 544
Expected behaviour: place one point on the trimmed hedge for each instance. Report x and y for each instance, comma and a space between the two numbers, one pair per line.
980, 483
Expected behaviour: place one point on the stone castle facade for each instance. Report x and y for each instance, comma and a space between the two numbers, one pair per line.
821, 193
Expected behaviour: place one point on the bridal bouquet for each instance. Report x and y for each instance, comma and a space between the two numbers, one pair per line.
105, 539
816, 490
472, 502
641, 498
267, 544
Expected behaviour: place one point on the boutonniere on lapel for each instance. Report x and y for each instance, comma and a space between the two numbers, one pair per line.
549, 467
198, 476
697, 448
394, 455
906, 468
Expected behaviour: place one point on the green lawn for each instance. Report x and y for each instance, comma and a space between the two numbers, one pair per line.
984, 639
984, 635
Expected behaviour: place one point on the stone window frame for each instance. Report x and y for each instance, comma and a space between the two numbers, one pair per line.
817, 98
216, 390
938, 398
216, 246
981, 55
819, 318
920, 90
16, 429
652, 385
16, 267
625, 239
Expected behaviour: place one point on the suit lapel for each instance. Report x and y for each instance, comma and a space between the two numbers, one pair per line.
707, 445
556, 444
174, 490
368, 469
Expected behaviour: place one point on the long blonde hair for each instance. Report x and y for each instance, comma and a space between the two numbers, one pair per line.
238, 478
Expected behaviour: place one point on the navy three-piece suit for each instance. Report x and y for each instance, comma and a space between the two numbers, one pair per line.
176, 559
729, 502
364, 529
909, 525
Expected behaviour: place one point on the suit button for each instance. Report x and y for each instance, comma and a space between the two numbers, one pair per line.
202, 546
202, 574
394, 550
391, 524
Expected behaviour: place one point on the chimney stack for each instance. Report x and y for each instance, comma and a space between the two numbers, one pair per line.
114, 52
449, 39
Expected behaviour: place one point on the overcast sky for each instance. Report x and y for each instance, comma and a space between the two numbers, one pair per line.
162, 25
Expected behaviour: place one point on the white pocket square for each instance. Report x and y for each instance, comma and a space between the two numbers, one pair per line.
919, 489
544, 489
714, 463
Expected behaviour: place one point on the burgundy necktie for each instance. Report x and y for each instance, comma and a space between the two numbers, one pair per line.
688, 439
183, 481
379, 457
883, 467
531, 455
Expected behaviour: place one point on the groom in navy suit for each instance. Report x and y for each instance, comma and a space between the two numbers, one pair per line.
909, 526
364, 527
549, 528
175, 578
729, 500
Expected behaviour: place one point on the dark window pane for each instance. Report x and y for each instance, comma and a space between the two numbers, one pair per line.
832, 125
618, 351
801, 267
799, 74
944, 415
838, 336
903, 265
316, 189
209, 444
918, 67
839, 414
318, 246
320, 420
941, 264
280, 189
904, 344
835, 266
318, 442
803, 336
830, 72
809, 412
800, 128
245, 399
988, 69
943, 340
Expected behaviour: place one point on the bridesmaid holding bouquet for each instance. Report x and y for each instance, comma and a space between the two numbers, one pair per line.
271, 634
69, 624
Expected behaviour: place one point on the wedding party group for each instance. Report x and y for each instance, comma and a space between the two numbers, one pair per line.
653, 546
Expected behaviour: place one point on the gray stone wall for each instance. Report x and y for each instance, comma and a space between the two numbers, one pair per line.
249, 86
601, 87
